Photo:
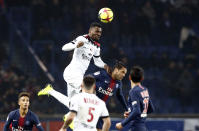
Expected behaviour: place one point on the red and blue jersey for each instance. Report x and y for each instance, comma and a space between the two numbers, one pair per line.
16, 123
140, 104
106, 87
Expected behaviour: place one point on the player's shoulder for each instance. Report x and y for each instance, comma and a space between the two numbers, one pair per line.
31, 114
100, 100
101, 72
119, 82
97, 44
138, 89
77, 96
12, 113
80, 38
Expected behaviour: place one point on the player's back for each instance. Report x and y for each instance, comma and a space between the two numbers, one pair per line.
89, 109
139, 96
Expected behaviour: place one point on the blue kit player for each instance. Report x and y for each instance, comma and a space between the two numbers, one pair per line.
108, 84
22, 119
139, 102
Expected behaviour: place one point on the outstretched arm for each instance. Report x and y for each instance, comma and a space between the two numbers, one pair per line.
72, 45
98, 62
76, 43
121, 98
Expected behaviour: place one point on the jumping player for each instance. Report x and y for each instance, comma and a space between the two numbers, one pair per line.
22, 119
86, 108
85, 48
139, 102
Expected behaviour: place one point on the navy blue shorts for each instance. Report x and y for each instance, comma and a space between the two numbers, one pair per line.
100, 123
139, 127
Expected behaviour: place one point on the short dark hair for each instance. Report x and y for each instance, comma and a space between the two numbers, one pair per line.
94, 24
119, 65
88, 81
23, 94
137, 74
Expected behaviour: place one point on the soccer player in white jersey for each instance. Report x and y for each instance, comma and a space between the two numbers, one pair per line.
86, 108
85, 48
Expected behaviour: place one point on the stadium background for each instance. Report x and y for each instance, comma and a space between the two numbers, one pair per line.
160, 35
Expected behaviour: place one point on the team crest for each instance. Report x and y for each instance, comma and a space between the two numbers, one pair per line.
27, 123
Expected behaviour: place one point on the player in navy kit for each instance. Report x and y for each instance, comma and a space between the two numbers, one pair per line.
108, 84
22, 119
139, 102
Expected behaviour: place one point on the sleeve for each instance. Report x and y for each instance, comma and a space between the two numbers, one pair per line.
97, 75
135, 108
105, 112
97, 59
8, 122
74, 104
151, 107
120, 97
37, 122
73, 44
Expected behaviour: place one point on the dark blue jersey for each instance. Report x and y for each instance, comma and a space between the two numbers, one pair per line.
16, 123
139, 104
106, 87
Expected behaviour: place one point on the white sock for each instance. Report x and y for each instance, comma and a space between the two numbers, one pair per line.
60, 97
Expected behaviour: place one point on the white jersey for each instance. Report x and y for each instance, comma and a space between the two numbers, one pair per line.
82, 56
88, 108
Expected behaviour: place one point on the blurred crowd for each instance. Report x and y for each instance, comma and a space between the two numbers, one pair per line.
160, 35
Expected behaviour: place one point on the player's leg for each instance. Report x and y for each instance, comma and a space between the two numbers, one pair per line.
48, 90
73, 88
73, 83
100, 124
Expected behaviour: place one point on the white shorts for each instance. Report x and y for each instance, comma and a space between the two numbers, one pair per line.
74, 82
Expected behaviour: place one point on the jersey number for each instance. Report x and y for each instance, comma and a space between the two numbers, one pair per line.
146, 104
90, 113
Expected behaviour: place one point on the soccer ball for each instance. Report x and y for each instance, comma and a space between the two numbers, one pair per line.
105, 15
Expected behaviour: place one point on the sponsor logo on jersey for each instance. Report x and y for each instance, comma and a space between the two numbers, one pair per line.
27, 123
106, 92
18, 129
84, 56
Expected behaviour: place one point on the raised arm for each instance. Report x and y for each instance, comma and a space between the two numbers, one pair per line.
76, 43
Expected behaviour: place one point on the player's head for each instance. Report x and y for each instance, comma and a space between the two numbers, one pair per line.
119, 71
23, 100
95, 31
136, 74
89, 82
